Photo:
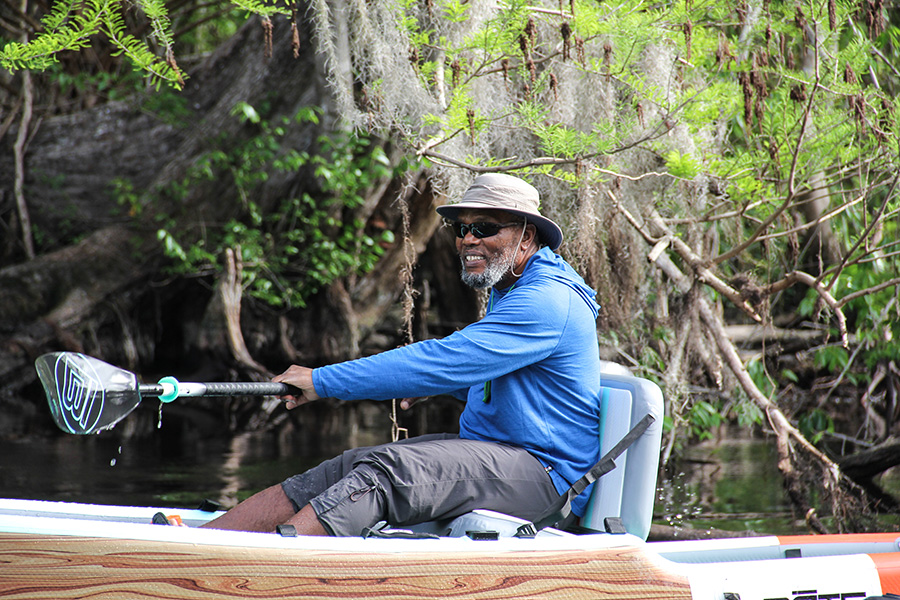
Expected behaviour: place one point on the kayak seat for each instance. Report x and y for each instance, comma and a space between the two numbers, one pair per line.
627, 492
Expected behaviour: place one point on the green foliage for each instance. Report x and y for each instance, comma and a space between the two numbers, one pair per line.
158, 14
748, 414
873, 319
815, 424
305, 242
68, 26
265, 8
757, 370
141, 57
126, 197
702, 418
681, 165
71, 24
455, 11
832, 357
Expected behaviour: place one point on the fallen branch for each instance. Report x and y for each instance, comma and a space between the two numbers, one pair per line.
704, 274
711, 319
683, 284
661, 237
866, 464
787, 436
805, 278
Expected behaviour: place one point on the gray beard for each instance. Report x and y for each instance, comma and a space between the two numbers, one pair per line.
495, 270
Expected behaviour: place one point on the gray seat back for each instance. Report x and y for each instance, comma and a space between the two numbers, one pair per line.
629, 490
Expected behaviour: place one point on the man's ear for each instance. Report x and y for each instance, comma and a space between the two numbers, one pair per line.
530, 236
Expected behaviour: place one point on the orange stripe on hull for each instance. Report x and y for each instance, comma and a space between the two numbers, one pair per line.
839, 538
888, 566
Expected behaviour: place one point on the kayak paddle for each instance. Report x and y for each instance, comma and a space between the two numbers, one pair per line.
87, 395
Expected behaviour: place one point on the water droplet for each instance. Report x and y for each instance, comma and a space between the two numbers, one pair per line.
112, 463
159, 419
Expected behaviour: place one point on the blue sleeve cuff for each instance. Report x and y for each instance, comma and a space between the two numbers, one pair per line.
319, 385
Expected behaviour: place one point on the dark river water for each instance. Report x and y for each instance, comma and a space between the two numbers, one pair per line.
728, 484
104, 470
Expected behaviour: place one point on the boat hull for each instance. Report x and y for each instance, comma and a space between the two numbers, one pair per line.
82, 567
67, 551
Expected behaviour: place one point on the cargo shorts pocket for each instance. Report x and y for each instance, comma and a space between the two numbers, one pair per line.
355, 502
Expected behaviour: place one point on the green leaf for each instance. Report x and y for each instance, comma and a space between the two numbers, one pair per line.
681, 165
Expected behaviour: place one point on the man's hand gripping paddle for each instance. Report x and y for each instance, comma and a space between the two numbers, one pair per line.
87, 395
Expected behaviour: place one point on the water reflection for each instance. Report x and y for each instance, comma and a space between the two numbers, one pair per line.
716, 485
731, 483
104, 470
186, 461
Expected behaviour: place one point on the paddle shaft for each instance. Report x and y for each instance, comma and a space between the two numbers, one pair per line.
196, 390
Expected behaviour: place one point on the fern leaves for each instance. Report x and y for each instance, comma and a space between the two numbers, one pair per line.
68, 26
72, 23
263, 8
136, 51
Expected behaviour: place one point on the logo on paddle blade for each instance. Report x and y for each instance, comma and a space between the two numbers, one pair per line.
79, 393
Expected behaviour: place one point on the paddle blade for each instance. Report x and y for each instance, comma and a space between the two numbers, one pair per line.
86, 395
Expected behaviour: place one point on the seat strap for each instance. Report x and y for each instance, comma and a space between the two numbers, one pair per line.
562, 507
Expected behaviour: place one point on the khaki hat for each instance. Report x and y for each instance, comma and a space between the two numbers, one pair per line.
496, 191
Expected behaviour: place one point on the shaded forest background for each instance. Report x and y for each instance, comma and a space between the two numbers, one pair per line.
726, 177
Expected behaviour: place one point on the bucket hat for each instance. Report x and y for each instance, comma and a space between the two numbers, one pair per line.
497, 191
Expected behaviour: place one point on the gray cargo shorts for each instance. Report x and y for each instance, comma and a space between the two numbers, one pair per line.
421, 479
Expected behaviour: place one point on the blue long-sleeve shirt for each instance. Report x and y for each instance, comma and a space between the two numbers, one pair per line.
537, 345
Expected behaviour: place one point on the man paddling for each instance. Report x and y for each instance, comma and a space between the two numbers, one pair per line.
529, 372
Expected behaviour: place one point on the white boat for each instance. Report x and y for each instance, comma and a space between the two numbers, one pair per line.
64, 550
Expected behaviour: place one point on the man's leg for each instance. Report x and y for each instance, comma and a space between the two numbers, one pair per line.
287, 502
262, 511
434, 479
266, 510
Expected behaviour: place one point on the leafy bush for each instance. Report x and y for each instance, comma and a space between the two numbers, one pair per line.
308, 240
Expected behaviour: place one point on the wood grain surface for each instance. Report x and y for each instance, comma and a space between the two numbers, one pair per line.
63, 567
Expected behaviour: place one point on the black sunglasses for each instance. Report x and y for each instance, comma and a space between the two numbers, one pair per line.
479, 230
